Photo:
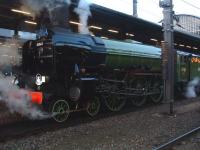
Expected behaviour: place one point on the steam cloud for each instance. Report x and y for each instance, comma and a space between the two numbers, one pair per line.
9, 54
18, 100
190, 90
35, 6
83, 10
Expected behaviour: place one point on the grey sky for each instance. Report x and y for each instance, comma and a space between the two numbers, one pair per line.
149, 9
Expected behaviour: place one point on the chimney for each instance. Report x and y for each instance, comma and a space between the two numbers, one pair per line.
60, 16
43, 19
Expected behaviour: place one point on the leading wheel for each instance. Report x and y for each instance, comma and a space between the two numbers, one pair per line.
94, 106
60, 110
114, 102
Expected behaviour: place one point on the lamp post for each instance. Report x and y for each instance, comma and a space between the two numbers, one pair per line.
168, 55
135, 8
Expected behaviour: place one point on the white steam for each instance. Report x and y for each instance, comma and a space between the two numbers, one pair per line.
18, 100
35, 6
9, 54
83, 10
190, 90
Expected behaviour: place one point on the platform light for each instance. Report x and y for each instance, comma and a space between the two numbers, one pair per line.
30, 22
92, 34
4, 55
75, 23
175, 44
155, 40
195, 48
96, 27
130, 34
1, 43
21, 12
113, 31
181, 45
6, 46
103, 37
13, 44
188, 46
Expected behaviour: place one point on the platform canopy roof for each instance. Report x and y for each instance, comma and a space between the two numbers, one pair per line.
127, 27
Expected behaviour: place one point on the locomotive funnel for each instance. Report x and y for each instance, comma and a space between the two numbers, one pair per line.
57, 17
60, 16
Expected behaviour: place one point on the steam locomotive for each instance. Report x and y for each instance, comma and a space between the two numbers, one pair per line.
70, 72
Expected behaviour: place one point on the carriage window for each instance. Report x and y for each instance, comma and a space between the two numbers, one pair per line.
182, 59
185, 59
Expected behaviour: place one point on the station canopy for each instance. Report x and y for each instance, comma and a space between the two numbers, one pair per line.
187, 23
103, 22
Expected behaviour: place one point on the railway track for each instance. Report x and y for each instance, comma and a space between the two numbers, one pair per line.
26, 128
170, 144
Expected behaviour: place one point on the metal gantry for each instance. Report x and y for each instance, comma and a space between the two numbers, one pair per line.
187, 23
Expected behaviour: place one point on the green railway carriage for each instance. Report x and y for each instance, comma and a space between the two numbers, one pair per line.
194, 66
188, 66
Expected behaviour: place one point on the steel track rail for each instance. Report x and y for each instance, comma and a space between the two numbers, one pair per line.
173, 142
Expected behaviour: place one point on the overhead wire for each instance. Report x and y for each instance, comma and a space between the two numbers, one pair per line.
190, 4
145, 10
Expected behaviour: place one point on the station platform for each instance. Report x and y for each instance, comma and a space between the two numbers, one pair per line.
6, 117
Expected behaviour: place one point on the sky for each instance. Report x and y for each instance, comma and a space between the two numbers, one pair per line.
149, 9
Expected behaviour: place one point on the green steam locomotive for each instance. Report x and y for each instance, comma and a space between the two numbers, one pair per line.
73, 72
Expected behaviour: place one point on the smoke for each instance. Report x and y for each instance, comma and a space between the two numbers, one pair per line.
9, 54
18, 100
35, 6
190, 90
83, 10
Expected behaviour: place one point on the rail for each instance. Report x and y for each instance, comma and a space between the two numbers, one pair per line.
173, 142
